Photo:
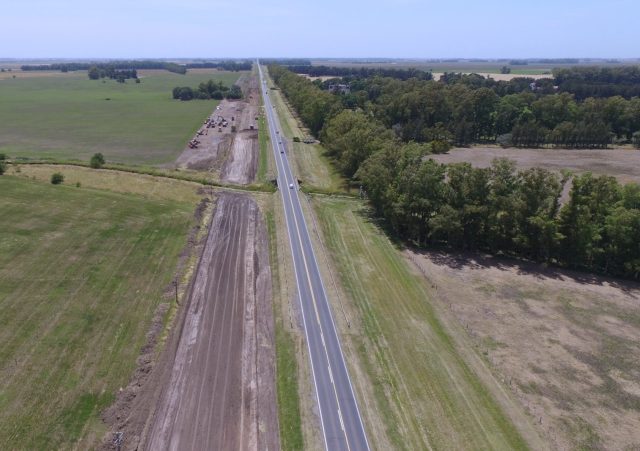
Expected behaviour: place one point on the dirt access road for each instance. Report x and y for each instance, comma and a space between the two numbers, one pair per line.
231, 156
218, 382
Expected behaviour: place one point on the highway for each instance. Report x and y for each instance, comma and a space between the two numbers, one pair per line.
340, 418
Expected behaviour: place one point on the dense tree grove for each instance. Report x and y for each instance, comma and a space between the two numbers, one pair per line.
207, 90
500, 209
595, 81
362, 72
463, 109
112, 65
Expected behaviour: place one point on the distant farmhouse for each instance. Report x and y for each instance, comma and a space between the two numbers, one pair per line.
339, 87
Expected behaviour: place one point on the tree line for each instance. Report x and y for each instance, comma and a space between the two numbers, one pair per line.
207, 90
112, 65
501, 210
584, 82
464, 109
505, 211
95, 73
233, 66
361, 72
286, 61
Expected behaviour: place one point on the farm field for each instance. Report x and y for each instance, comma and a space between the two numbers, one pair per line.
69, 116
565, 343
416, 390
622, 163
83, 273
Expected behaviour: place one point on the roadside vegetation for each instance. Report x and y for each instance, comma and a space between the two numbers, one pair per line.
264, 170
289, 419
67, 116
82, 272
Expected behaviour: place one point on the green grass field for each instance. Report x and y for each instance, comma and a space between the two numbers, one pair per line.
69, 117
81, 274
425, 394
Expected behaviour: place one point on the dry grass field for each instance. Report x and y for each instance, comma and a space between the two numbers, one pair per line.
623, 163
565, 343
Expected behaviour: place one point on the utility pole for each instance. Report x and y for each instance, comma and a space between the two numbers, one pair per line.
175, 284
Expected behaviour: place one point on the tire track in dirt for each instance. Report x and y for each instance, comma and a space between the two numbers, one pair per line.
220, 392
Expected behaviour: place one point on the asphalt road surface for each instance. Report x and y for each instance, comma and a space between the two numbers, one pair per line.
341, 423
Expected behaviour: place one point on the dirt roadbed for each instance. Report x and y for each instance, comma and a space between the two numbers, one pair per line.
229, 151
213, 386
219, 393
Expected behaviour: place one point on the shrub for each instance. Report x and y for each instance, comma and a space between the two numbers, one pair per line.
296, 139
3, 156
57, 178
440, 146
636, 140
3, 167
97, 161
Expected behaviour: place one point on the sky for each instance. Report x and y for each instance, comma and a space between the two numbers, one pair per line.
332, 28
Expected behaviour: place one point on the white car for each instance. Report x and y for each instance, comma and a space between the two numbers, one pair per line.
290, 185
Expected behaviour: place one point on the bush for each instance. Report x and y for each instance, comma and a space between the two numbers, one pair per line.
3, 167
296, 139
440, 146
504, 140
636, 140
97, 161
57, 178
3, 156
